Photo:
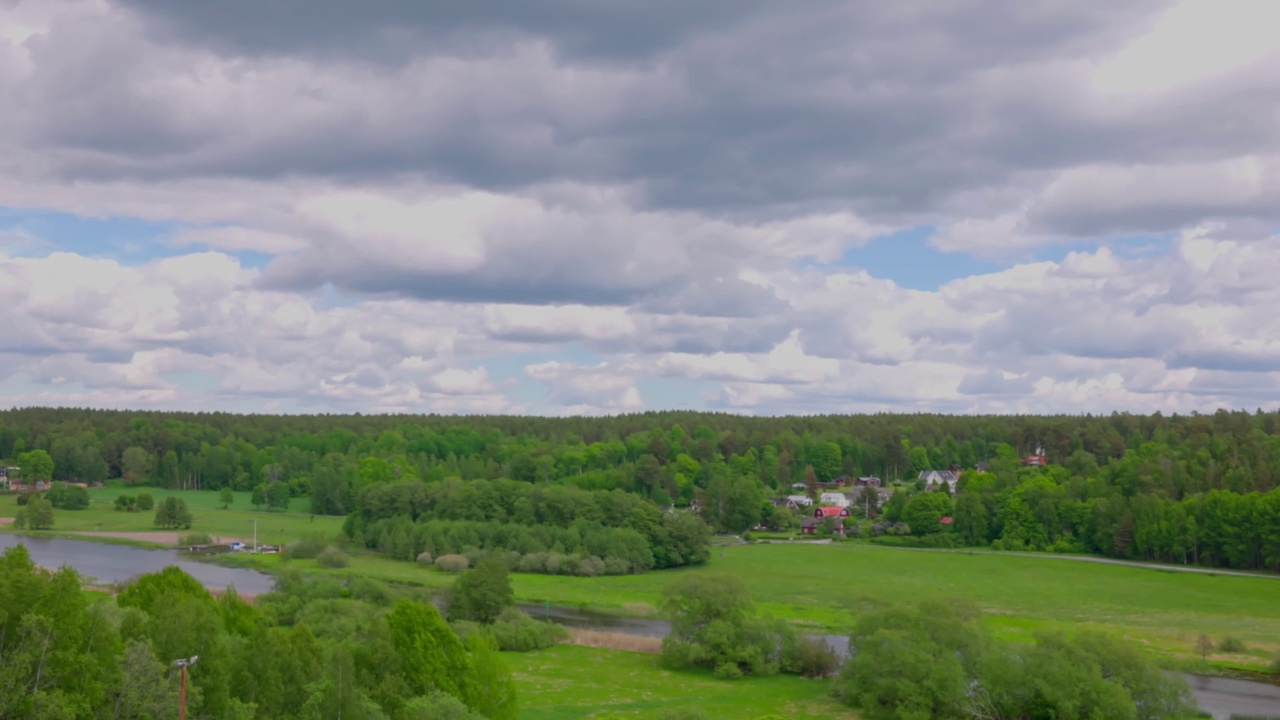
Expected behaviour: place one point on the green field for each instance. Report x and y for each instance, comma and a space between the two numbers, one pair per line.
826, 586
569, 682
206, 510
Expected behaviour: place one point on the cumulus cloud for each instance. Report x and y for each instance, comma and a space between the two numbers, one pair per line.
390, 206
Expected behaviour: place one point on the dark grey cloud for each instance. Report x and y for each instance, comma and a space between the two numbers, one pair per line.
738, 107
391, 30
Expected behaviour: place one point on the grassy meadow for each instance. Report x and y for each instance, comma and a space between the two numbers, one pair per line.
569, 682
824, 587
206, 510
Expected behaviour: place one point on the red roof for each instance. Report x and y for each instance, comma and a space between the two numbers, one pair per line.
945, 521
828, 511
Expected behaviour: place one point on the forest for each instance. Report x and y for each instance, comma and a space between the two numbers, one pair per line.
312, 649
1182, 488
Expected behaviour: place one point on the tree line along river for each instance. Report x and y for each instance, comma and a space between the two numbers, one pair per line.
1222, 698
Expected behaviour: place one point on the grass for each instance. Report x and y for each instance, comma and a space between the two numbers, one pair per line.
824, 587
206, 510
569, 682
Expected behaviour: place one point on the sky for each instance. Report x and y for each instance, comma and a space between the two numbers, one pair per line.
577, 207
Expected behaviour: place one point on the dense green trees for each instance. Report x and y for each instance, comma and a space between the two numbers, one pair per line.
599, 532
37, 514
934, 662
1192, 489
63, 655
172, 512
481, 593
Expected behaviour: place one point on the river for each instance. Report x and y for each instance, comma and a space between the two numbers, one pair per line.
1222, 698
107, 563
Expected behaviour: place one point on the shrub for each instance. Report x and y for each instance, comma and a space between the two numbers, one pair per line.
517, 632
145, 501
331, 557
811, 657
452, 563
616, 566
554, 562
307, 548
591, 567
195, 539
126, 503
424, 558
535, 562
1231, 644
24, 498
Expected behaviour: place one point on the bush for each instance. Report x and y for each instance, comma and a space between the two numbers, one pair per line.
424, 558
24, 498
331, 557
452, 563
517, 632
1231, 644
591, 567
307, 548
811, 657
535, 562
195, 539
145, 501
126, 503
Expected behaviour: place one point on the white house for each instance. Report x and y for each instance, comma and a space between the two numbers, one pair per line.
934, 478
834, 499
804, 500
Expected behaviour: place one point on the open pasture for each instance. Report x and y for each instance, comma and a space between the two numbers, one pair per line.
825, 586
206, 510
569, 682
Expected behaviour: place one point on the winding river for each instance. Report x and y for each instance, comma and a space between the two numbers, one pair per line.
1222, 698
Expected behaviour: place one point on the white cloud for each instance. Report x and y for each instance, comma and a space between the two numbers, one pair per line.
672, 205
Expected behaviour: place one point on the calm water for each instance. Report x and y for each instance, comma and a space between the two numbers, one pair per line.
106, 563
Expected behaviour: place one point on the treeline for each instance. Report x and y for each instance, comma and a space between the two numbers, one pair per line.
311, 650
553, 529
1137, 508
667, 453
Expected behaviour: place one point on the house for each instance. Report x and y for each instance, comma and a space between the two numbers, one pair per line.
784, 502
946, 520
834, 498
1035, 461
869, 481
982, 466
935, 478
798, 486
810, 526
799, 500
827, 511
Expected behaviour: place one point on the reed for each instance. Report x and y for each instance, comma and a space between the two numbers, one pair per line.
615, 640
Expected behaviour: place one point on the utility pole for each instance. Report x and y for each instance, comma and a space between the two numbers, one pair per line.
255, 535
184, 663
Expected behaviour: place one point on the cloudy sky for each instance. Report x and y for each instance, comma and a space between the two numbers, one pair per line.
576, 206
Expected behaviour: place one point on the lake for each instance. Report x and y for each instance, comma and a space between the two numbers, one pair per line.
1223, 698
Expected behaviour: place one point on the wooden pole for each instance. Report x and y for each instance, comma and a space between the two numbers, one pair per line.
182, 697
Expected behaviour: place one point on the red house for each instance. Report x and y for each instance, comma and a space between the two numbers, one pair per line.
828, 511
1035, 461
